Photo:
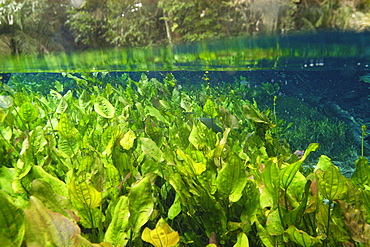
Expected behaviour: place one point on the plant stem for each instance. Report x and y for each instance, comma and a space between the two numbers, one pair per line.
328, 223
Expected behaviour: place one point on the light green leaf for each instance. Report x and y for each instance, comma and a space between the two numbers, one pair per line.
242, 240
47, 228
118, 230
210, 108
11, 223
84, 193
155, 113
220, 146
332, 184
6, 133
150, 148
65, 127
48, 196
63, 105
6, 101
141, 204
28, 112
300, 237
68, 147
361, 176
103, 107
128, 139
287, 174
175, 208
186, 103
6, 178
232, 178
191, 167
161, 236
56, 184
38, 139
273, 223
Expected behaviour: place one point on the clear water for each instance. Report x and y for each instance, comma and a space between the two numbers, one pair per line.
319, 79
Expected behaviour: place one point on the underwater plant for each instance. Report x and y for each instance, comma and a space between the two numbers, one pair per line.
131, 164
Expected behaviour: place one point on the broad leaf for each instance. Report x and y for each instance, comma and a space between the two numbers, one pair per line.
128, 140
300, 237
189, 166
84, 193
161, 236
232, 178
287, 174
141, 204
103, 107
175, 208
118, 230
361, 176
150, 148
210, 108
65, 127
11, 222
332, 184
47, 228
28, 112
242, 240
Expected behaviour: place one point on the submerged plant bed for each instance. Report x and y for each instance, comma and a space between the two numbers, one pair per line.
149, 164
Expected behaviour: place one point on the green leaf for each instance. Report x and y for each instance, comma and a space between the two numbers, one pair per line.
155, 113
38, 139
242, 240
220, 146
273, 223
65, 127
84, 193
103, 107
287, 174
232, 178
118, 230
128, 139
6, 101
11, 222
332, 184
48, 196
6, 178
361, 176
28, 112
186, 103
47, 228
150, 148
175, 208
55, 183
300, 237
141, 204
210, 108
161, 236
190, 167
63, 105
68, 147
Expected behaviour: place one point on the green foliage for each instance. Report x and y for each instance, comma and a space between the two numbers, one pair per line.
103, 164
41, 26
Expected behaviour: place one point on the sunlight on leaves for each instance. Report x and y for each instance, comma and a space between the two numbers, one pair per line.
84, 194
128, 140
103, 107
161, 236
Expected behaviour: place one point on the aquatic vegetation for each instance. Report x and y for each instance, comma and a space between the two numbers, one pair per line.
124, 164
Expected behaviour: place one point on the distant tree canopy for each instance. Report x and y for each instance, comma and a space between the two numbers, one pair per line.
43, 26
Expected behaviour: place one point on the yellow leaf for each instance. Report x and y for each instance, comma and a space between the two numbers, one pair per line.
161, 236
84, 193
128, 140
